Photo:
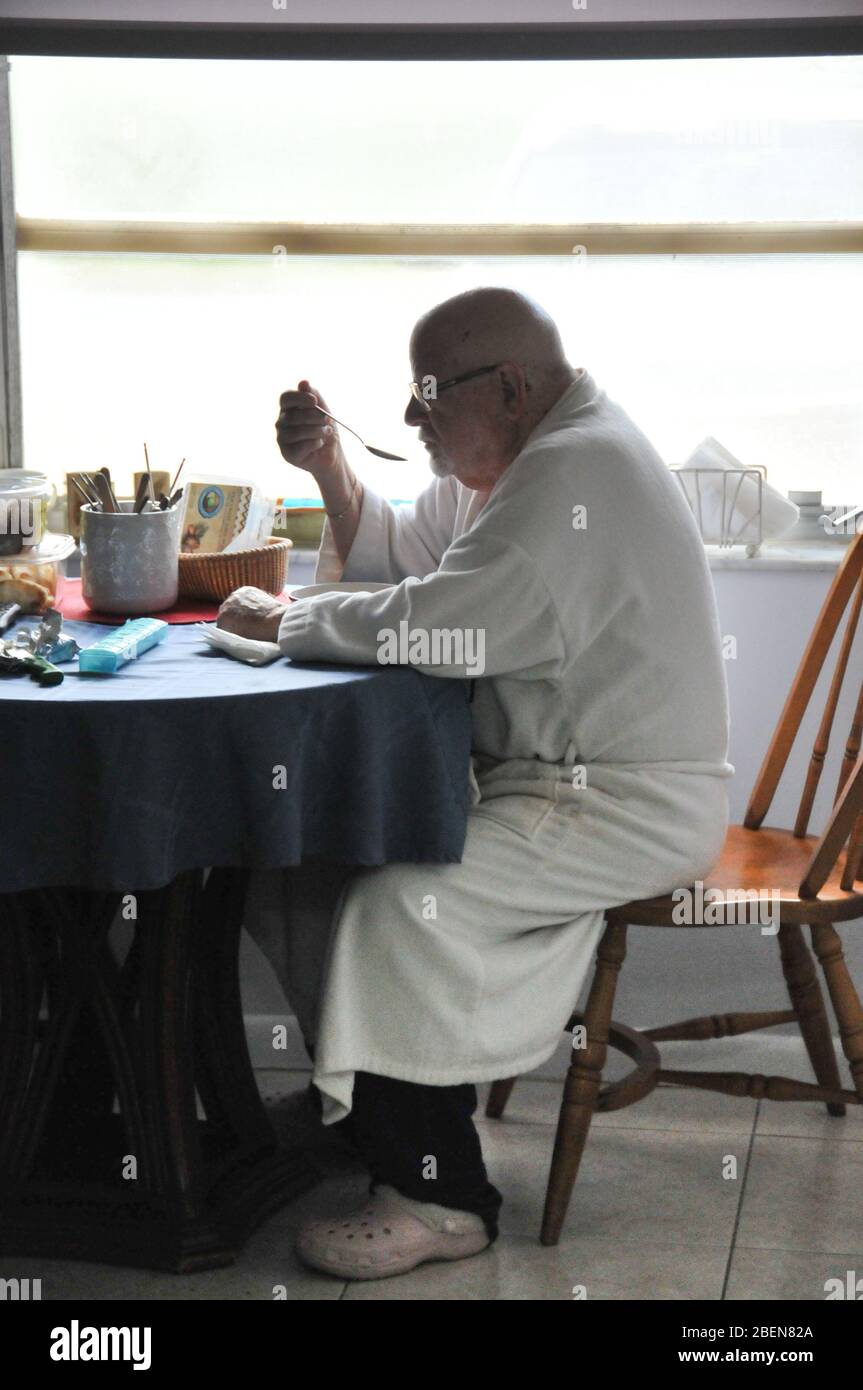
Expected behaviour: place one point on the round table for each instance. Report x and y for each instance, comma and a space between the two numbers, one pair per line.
119, 793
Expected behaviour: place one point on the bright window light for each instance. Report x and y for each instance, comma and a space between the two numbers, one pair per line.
190, 352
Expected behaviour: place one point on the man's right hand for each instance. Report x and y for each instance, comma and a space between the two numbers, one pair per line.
304, 436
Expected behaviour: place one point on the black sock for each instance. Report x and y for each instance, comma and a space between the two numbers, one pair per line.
422, 1141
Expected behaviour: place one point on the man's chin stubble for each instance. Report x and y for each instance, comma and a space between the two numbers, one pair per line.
440, 465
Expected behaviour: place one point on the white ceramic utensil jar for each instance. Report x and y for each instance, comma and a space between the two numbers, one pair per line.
130, 561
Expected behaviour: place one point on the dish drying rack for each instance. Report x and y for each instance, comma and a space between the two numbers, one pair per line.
730, 494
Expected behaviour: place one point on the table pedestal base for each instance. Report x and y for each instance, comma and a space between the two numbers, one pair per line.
103, 1155
87, 1221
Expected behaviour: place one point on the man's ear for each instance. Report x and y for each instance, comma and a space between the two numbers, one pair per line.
514, 389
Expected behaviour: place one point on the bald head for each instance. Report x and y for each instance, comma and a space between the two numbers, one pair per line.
475, 429
487, 325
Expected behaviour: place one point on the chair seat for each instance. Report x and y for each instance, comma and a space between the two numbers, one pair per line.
763, 860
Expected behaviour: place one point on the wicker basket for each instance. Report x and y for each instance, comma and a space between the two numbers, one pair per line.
216, 576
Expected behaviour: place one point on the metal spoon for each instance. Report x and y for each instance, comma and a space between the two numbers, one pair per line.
379, 453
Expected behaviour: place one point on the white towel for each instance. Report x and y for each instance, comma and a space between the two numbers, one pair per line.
726, 509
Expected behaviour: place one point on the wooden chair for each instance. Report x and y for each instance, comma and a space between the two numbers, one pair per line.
815, 878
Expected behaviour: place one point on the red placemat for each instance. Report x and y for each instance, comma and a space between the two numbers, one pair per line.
73, 607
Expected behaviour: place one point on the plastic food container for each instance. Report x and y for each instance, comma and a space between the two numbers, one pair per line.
33, 574
24, 501
301, 522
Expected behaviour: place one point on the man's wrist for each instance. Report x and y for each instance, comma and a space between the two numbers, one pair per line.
338, 471
275, 622
336, 515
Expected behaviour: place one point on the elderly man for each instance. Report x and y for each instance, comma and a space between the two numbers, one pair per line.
555, 539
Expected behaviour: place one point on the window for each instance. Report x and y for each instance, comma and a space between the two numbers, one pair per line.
136, 324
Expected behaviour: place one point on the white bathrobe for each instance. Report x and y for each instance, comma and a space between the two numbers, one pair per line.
600, 733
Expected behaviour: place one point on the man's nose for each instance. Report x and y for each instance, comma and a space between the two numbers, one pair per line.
415, 413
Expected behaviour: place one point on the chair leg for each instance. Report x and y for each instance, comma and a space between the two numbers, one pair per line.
498, 1096
583, 1080
808, 1004
827, 945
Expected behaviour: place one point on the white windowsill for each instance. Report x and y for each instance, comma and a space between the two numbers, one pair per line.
774, 556
779, 555
810, 556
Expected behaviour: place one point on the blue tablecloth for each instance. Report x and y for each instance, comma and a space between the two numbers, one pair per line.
121, 782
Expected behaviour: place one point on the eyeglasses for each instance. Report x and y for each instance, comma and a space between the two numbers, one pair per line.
417, 390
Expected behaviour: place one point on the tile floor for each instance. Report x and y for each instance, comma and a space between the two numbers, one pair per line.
652, 1215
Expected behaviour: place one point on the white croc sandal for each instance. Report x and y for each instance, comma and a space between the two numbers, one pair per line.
390, 1234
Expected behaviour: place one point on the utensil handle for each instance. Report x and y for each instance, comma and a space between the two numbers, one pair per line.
42, 671
340, 422
104, 492
112, 497
142, 493
93, 496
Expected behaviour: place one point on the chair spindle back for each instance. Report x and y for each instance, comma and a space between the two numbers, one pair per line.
846, 821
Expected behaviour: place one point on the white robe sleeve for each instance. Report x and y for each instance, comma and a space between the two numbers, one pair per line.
488, 590
394, 542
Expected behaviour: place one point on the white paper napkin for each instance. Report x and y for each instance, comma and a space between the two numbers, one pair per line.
727, 509
241, 648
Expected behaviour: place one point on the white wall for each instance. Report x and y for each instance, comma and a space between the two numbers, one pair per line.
671, 975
